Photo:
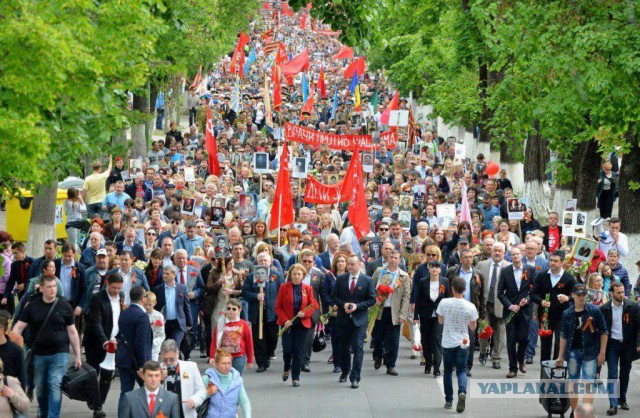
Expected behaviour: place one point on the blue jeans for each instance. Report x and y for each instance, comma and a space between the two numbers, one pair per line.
455, 357
48, 373
579, 368
615, 354
534, 326
238, 363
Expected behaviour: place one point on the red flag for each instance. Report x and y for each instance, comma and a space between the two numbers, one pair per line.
197, 79
281, 57
356, 66
299, 63
212, 148
303, 21
238, 52
322, 86
384, 118
308, 105
277, 93
286, 10
266, 6
344, 53
353, 184
282, 212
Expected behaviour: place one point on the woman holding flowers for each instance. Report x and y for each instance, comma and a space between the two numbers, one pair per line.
428, 294
294, 306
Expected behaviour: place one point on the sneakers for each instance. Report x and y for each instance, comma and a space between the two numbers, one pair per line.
448, 405
462, 397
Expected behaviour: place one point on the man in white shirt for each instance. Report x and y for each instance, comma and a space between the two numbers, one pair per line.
614, 239
182, 378
458, 317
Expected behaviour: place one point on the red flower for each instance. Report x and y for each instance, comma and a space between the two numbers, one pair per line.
73, 272
545, 332
193, 273
560, 285
442, 289
158, 323
379, 298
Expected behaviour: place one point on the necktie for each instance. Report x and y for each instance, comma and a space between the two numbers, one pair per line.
152, 403
181, 277
492, 286
352, 288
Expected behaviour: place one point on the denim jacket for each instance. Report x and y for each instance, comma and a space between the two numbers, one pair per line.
590, 339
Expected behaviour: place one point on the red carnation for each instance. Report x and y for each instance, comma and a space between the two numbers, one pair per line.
158, 323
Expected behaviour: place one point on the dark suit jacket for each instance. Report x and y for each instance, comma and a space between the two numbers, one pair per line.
135, 404
135, 338
137, 250
250, 291
183, 312
131, 191
99, 322
477, 292
508, 291
317, 281
78, 284
424, 305
364, 297
326, 260
542, 287
630, 326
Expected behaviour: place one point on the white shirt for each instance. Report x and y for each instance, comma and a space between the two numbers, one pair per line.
434, 290
457, 314
622, 245
126, 285
166, 261
115, 314
616, 321
467, 276
517, 273
555, 278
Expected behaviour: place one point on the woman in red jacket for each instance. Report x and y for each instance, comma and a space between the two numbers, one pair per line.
294, 306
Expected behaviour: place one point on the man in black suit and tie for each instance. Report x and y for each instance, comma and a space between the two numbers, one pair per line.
129, 244
558, 284
353, 295
100, 335
134, 343
623, 345
174, 304
516, 281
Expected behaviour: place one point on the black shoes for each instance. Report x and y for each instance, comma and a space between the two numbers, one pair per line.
612, 411
468, 372
427, 370
377, 363
448, 405
392, 371
343, 377
462, 398
306, 368
295, 383
624, 406
496, 365
99, 413
285, 375
337, 369
436, 373
355, 384
529, 360
483, 358
261, 369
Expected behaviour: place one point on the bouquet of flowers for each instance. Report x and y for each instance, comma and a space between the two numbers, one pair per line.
383, 293
140, 265
485, 330
324, 318
544, 330
307, 311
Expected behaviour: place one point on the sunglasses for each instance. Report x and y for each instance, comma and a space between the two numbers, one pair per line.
151, 234
307, 261
432, 255
383, 229
232, 308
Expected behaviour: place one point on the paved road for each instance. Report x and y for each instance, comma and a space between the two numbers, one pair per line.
412, 394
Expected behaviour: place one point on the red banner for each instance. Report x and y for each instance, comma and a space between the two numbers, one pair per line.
342, 142
324, 194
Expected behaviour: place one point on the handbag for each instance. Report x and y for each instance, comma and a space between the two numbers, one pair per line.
320, 340
202, 410
30, 354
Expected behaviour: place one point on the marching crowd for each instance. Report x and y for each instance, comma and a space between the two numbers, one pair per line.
144, 281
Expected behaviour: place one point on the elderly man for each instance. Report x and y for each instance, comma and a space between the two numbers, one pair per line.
88, 257
190, 277
333, 244
138, 189
265, 347
190, 241
182, 378
173, 302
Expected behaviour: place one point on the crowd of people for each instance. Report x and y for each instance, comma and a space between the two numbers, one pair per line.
164, 259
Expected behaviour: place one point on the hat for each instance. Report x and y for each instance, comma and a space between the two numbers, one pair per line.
463, 240
580, 289
102, 251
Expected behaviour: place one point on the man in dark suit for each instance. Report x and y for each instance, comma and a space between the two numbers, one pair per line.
558, 284
353, 295
72, 279
135, 339
314, 278
129, 244
622, 317
333, 245
174, 305
387, 249
151, 399
100, 334
514, 285
265, 347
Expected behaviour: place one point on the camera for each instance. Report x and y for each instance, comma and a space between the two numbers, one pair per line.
171, 370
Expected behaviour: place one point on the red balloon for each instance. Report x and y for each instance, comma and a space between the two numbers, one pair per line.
492, 168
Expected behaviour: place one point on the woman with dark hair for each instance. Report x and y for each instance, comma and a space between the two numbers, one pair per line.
338, 267
528, 223
318, 245
261, 231
247, 229
153, 271
116, 226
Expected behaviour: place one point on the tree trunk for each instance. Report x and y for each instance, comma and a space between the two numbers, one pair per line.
586, 166
43, 220
173, 101
561, 194
138, 130
629, 202
535, 176
151, 123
